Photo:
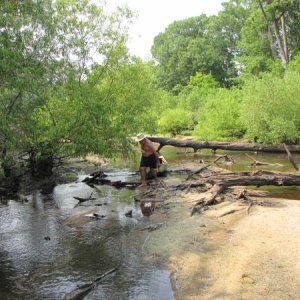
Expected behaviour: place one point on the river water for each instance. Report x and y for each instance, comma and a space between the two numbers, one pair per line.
50, 245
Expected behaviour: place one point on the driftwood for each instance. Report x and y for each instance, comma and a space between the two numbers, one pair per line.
118, 183
216, 184
258, 178
226, 157
94, 176
85, 289
84, 199
261, 163
198, 171
197, 145
290, 158
240, 192
100, 178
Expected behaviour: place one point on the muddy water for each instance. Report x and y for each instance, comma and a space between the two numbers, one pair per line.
50, 245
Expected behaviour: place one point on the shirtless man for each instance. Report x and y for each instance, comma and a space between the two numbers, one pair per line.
149, 158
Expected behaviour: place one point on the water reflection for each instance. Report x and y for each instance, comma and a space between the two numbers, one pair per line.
76, 253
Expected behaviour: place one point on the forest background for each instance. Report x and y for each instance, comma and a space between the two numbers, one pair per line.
69, 86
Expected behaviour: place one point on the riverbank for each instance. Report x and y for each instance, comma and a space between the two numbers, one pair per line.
237, 256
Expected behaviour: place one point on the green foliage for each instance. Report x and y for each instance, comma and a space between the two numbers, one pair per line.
254, 45
68, 86
219, 119
271, 108
261, 50
294, 65
289, 9
97, 117
174, 121
47, 49
189, 46
192, 97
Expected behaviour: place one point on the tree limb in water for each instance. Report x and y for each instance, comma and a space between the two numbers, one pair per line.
84, 199
261, 163
85, 289
214, 185
290, 158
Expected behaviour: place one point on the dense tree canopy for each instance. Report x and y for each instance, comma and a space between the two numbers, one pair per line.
190, 46
69, 87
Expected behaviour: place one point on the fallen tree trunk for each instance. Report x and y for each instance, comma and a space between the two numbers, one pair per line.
216, 184
197, 145
258, 178
84, 290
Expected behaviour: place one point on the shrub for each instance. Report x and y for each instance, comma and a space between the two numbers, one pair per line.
174, 121
271, 108
219, 119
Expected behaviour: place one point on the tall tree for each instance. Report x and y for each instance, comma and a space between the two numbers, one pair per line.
271, 32
178, 51
45, 45
200, 44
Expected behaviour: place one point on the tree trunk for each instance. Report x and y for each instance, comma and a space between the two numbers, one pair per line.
272, 44
285, 41
283, 50
279, 43
258, 178
196, 145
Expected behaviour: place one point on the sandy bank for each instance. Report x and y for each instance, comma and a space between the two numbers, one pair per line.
237, 256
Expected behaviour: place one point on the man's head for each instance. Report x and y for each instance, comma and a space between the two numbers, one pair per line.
140, 137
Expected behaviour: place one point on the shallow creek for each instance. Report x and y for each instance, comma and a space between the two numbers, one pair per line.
50, 245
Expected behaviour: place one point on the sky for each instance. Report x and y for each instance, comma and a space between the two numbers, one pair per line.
153, 16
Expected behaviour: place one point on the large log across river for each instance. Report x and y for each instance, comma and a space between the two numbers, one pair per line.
235, 146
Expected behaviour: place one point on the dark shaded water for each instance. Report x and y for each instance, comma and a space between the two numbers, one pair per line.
48, 248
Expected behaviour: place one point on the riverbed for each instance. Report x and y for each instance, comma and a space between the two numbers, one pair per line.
51, 245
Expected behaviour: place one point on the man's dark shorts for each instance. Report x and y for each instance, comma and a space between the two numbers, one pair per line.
150, 161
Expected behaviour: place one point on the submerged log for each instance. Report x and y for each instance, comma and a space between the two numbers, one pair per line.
80, 199
256, 163
197, 145
84, 290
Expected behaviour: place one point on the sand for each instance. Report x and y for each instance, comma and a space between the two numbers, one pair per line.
237, 256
